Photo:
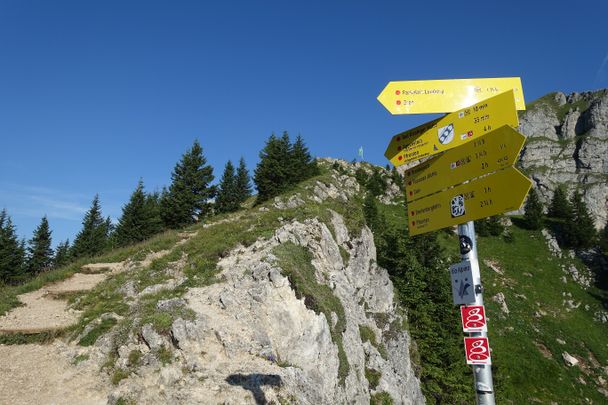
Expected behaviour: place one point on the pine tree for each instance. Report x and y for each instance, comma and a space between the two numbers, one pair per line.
370, 212
579, 230
92, 239
560, 206
376, 183
140, 218
12, 252
62, 254
272, 175
243, 182
40, 253
533, 216
603, 242
303, 166
186, 201
227, 198
491, 226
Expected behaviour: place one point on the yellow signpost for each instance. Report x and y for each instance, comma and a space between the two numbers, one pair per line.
494, 194
488, 153
453, 130
441, 96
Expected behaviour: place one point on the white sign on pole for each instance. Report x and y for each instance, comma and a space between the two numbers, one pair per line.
463, 290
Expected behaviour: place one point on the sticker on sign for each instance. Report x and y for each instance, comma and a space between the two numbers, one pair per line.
477, 350
463, 291
473, 318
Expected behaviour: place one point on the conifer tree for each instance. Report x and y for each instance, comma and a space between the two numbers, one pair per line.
40, 253
62, 254
92, 239
227, 195
533, 216
273, 173
12, 252
579, 230
303, 166
243, 182
603, 242
370, 212
376, 183
140, 218
560, 206
186, 201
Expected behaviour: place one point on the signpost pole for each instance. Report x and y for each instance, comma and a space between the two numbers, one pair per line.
484, 386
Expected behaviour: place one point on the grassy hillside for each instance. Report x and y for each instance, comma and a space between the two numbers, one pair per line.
527, 354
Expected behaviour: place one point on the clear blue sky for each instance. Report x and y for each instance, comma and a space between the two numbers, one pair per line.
96, 94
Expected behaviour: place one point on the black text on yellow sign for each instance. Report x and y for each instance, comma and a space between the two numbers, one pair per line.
494, 194
444, 96
488, 153
453, 130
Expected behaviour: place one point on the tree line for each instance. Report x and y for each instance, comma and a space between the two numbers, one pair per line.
190, 198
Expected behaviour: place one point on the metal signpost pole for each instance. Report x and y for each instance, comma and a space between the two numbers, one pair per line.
484, 387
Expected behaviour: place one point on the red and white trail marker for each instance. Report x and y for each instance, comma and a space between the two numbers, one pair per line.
477, 350
473, 318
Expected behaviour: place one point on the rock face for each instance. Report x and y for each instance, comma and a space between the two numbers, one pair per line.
568, 144
254, 339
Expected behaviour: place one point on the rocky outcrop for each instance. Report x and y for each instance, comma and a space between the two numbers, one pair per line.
254, 337
568, 144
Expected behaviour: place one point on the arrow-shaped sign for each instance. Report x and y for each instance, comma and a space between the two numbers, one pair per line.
443, 96
453, 130
494, 194
488, 153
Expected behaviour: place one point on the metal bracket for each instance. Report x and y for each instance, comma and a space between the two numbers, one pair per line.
478, 289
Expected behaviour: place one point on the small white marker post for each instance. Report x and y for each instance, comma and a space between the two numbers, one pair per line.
484, 386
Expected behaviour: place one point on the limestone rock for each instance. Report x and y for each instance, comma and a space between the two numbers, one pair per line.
569, 359
500, 299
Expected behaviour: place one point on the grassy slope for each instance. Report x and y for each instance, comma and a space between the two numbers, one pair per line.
521, 370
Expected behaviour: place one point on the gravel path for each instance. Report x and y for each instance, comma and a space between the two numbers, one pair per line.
44, 374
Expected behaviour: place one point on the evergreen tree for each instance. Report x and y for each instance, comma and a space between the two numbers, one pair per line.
243, 182
303, 165
92, 239
272, 175
62, 254
186, 201
560, 206
140, 218
491, 226
370, 212
579, 230
12, 252
227, 196
40, 253
533, 217
376, 183
603, 242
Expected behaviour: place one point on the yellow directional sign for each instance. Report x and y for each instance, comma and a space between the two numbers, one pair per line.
453, 130
494, 194
444, 96
488, 153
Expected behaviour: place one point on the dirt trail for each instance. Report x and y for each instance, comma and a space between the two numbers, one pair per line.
45, 310
45, 374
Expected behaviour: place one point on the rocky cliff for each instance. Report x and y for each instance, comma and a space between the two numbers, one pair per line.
568, 144
280, 303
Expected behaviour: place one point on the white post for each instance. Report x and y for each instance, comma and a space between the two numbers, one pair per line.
484, 386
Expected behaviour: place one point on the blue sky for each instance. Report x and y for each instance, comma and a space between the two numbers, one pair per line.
96, 94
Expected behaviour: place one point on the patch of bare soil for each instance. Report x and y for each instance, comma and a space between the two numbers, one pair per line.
45, 374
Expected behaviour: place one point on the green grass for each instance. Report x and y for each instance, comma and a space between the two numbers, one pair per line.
521, 370
381, 398
80, 358
22, 338
368, 335
373, 377
295, 261
91, 337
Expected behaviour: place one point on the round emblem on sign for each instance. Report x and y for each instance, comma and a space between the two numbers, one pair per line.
446, 134
457, 206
